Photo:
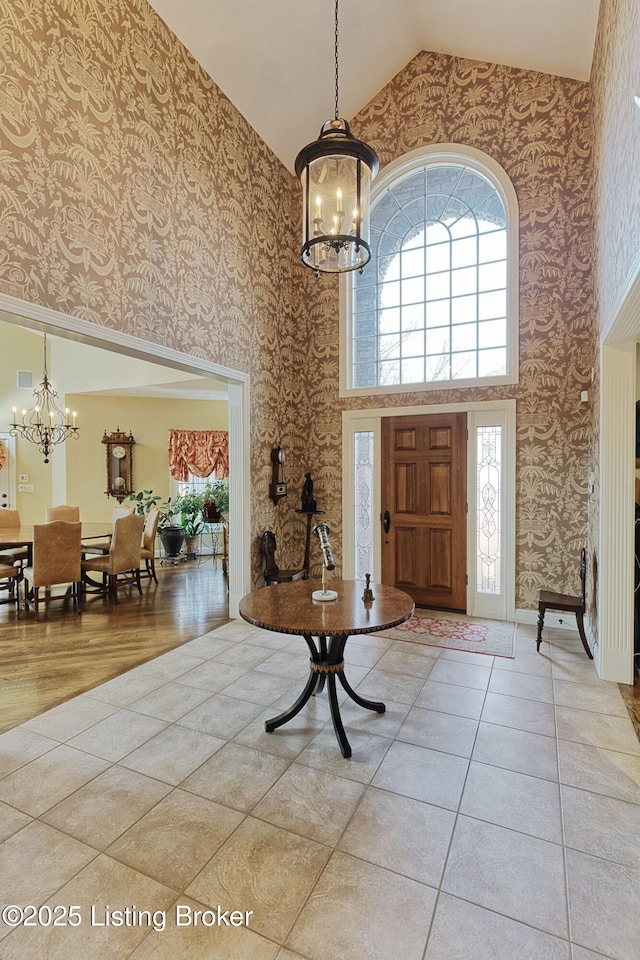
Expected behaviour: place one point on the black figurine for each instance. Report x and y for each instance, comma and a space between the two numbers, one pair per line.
309, 505
367, 596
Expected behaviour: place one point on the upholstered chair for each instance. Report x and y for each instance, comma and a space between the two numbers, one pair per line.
148, 550
122, 563
102, 547
63, 512
10, 519
9, 578
56, 559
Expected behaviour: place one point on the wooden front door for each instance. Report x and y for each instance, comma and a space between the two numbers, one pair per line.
424, 508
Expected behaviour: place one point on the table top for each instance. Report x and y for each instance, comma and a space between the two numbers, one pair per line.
19, 536
289, 608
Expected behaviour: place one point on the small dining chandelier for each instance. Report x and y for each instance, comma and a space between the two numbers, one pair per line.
336, 171
45, 424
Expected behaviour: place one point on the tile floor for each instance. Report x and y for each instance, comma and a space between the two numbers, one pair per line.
492, 812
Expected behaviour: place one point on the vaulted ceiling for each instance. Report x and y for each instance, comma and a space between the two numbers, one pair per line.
274, 59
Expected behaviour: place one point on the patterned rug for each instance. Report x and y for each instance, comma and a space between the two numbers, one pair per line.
495, 638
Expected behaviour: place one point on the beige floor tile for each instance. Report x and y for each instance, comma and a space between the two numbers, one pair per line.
38, 860
526, 661
172, 664
602, 826
373, 641
357, 654
439, 731
468, 932
236, 776
601, 771
173, 754
243, 655
106, 806
358, 909
380, 685
603, 899
207, 647
450, 698
513, 800
70, 718
131, 686
265, 869
19, 746
291, 663
288, 955
367, 752
513, 874
260, 688
513, 684
268, 640
48, 779
400, 834
516, 750
174, 840
221, 716
238, 630
11, 820
591, 696
212, 675
384, 724
598, 730
531, 715
427, 775
192, 940
463, 656
463, 674
311, 802
170, 702
579, 953
117, 735
395, 661
290, 740
103, 883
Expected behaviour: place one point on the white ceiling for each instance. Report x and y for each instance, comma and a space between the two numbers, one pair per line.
274, 59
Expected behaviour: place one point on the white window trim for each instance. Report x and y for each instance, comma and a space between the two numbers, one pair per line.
481, 413
482, 163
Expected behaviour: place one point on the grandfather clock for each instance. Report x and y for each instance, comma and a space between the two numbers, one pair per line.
119, 451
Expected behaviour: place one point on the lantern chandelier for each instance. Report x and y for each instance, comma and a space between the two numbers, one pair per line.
45, 424
336, 171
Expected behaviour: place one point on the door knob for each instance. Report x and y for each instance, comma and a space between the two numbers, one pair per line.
386, 521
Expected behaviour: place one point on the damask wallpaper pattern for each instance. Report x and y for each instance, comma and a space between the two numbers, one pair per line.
538, 128
135, 196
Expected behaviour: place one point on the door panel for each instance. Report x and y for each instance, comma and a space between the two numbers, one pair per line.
424, 490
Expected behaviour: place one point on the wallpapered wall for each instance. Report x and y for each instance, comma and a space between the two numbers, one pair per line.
538, 128
135, 196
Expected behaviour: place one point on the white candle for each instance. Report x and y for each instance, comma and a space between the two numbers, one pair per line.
339, 201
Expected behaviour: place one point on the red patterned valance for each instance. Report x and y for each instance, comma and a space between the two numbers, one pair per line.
3, 454
200, 453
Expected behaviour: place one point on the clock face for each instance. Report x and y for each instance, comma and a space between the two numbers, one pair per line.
119, 452
281, 455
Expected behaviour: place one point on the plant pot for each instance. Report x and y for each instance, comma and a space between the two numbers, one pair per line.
172, 539
192, 546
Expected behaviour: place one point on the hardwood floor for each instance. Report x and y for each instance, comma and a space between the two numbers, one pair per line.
631, 697
43, 664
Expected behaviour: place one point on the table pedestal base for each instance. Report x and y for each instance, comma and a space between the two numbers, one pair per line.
327, 663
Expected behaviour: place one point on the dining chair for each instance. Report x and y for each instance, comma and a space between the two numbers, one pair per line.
56, 559
547, 600
101, 547
148, 549
272, 572
122, 563
63, 512
9, 579
11, 519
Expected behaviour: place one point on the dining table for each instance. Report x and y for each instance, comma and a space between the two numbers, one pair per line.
291, 608
22, 535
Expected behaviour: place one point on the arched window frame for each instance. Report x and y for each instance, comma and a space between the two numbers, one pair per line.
482, 163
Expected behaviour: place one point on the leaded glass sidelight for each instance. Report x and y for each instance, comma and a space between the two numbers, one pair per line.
489, 478
363, 500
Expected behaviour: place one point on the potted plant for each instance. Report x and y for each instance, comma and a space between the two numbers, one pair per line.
216, 500
171, 534
189, 505
145, 500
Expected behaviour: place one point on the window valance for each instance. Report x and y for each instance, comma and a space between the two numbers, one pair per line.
200, 453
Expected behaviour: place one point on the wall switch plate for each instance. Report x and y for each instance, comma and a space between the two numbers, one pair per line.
26, 487
584, 396
24, 478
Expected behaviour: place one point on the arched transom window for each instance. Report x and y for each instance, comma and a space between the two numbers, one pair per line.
437, 304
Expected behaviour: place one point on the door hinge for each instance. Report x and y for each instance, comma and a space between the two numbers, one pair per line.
466, 507
466, 580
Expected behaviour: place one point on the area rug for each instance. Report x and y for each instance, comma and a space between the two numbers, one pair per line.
495, 638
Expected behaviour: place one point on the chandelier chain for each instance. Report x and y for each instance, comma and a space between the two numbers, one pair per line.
337, 113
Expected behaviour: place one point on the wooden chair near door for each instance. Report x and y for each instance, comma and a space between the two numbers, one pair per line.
547, 600
56, 560
272, 572
122, 563
10, 519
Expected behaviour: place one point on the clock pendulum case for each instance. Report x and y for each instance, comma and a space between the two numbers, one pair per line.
119, 451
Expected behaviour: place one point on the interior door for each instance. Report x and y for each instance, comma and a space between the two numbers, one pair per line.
424, 508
